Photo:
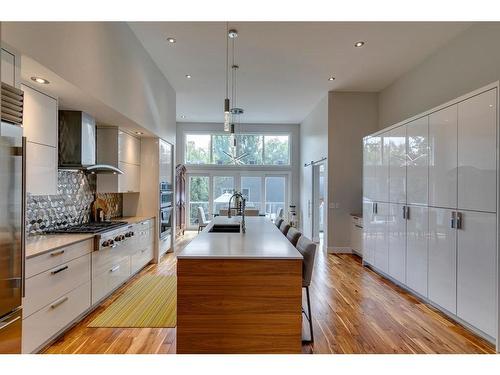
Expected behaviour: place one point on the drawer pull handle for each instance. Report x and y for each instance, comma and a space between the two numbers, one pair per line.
59, 302
6, 324
56, 253
114, 269
358, 226
59, 270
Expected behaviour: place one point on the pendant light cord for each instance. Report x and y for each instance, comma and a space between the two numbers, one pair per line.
227, 58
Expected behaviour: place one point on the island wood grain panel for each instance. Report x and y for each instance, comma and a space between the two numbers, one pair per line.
355, 311
239, 306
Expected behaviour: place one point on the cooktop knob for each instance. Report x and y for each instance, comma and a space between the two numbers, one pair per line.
118, 238
105, 243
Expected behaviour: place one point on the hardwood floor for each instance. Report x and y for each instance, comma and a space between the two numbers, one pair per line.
354, 311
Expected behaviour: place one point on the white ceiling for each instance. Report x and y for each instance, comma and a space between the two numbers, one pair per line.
284, 66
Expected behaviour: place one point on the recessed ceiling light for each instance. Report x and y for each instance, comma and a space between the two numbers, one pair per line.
359, 44
40, 80
331, 78
171, 40
188, 76
139, 133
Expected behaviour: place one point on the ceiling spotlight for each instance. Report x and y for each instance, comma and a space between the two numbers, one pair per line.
40, 80
359, 44
139, 133
331, 78
188, 76
171, 40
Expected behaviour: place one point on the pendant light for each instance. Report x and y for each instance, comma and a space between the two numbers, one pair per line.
227, 106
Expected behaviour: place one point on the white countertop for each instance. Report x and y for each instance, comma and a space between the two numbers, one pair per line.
262, 240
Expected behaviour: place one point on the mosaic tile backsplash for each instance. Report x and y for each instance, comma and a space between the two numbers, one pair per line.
71, 206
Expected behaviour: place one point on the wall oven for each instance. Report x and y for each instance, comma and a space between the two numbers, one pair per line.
166, 221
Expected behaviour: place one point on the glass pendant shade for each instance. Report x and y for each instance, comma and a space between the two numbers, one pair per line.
227, 115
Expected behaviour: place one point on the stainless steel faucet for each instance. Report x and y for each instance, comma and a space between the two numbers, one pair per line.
240, 206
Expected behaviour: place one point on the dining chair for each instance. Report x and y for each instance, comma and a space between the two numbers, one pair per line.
308, 250
284, 226
293, 236
279, 214
202, 219
278, 222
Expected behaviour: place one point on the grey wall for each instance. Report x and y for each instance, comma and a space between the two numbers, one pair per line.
106, 61
313, 146
468, 62
351, 116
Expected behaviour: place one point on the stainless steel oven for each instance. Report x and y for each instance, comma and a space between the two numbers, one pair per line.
166, 198
166, 221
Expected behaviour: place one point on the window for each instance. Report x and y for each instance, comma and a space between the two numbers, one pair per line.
251, 191
276, 150
275, 195
223, 189
198, 197
198, 148
259, 149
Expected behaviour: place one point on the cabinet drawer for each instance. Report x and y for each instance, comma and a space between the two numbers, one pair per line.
110, 279
140, 259
105, 259
56, 257
44, 324
52, 284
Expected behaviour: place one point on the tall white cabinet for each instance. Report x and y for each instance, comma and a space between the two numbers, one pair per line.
430, 207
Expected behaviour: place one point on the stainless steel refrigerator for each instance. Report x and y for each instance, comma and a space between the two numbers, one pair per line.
11, 235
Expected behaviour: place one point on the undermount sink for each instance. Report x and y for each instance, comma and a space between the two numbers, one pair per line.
225, 228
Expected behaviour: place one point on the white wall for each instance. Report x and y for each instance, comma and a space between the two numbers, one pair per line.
106, 61
313, 146
351, 116
469, 61
291, 129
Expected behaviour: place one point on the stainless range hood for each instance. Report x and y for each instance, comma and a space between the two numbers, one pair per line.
77, 143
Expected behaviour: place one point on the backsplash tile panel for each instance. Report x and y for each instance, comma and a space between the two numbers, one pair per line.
71, 206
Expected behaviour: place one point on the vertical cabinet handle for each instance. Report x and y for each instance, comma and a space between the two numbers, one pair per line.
407, 214
404, 212
459, 220
453, 218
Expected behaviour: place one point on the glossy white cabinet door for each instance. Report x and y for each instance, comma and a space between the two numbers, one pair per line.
477, 157
368, 233
442, 259
40, 117
129, 148
370, 151
417, 248
396, 231
476, 275
41, 169
129, 181
379, 223
417, 165
396, 139
443, 158
8, 68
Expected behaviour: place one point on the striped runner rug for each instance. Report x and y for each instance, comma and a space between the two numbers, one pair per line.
150, 303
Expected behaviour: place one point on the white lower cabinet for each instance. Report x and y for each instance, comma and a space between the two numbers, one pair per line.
368, 234
381, 237
442, 276
117, 272
417, 249
476, 276
396, 231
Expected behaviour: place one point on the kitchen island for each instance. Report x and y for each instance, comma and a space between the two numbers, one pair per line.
239, 292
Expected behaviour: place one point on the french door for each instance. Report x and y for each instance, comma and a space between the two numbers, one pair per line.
267, 192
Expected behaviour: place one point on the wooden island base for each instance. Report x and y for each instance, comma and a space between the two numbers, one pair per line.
239, 305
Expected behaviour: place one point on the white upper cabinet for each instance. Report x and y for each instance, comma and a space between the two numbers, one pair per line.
477, 142
129, 148
476, 275
442, 259
379, 227
417, 162
376, 170
368, 233
370, 150
417, 248
443, 158
8, 68
41, 169
396, 139
396, 232
40, 117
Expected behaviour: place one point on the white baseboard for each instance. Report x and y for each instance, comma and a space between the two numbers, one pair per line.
339, 250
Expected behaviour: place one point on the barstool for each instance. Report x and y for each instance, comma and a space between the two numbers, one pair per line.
278, 222
284, 226
308, 250
293, 236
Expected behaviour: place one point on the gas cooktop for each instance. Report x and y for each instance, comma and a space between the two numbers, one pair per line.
91, 227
